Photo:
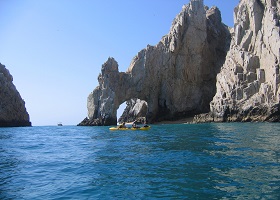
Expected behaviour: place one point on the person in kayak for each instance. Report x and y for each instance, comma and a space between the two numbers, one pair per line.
134, 124
122, 125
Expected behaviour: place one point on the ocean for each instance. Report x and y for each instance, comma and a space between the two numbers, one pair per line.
182, 161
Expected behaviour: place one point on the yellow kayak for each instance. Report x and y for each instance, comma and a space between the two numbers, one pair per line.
144, 128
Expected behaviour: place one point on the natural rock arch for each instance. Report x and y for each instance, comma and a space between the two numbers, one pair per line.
176, 77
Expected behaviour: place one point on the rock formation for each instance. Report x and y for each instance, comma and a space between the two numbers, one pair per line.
136, 109
176, 77
248, 84
12, 107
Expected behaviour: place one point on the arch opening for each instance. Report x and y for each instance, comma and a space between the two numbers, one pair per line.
131, 110
120, 110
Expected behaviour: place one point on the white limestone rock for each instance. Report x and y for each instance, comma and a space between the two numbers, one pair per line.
248, 84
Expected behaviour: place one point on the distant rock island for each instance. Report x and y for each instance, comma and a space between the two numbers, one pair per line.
200, 66
12, 107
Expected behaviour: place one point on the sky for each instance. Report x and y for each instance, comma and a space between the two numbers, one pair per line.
54, 49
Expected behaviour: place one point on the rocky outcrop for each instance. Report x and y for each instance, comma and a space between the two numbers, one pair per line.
248, 84
136, 109
12, 107
176, 77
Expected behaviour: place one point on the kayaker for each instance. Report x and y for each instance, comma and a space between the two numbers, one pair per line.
122, 125
134, 124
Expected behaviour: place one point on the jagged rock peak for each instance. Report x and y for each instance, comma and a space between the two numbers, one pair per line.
248, 84
12, 106
176, 77
192, 16
110, 65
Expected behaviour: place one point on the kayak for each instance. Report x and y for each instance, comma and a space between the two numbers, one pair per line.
144, 128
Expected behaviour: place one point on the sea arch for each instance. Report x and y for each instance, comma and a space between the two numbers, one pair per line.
177, 77
115, 88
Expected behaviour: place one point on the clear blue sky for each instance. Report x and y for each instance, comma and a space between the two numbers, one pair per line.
55, 48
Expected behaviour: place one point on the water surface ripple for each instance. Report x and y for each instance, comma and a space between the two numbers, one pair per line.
188, 161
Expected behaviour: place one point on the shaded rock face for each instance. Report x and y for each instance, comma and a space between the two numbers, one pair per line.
248, 84
12, 107
136, 109
176, 77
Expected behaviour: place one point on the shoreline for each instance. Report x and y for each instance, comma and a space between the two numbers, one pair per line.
187, 120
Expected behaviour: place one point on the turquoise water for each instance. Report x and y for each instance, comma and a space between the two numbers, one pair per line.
204, 161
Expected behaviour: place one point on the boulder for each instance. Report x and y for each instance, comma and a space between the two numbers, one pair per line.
12, 106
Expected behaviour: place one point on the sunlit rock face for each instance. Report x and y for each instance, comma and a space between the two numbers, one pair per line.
248, 84
12, 106
176, 77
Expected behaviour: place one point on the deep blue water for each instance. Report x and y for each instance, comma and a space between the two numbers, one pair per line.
191, 161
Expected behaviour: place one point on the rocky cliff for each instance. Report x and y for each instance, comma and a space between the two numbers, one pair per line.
248, 84
12, 107
176, 77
